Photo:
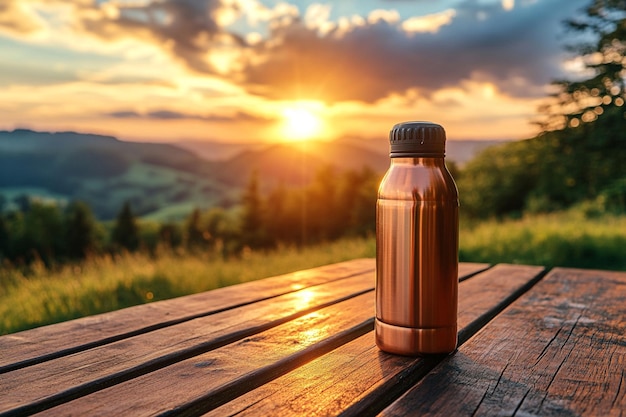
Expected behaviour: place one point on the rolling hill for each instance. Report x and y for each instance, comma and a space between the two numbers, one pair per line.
459, 151
105, 172
166, 181
296, 164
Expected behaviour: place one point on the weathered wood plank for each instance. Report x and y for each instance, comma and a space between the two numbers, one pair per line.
103, 366
75, 375
49, 342
559, 350
45, 343
469, 269
360, 378
231, 370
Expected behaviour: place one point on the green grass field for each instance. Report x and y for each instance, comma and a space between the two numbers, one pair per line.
108, 283
560, 239
105, 283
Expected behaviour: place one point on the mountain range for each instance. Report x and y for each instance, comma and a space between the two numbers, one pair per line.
167, 180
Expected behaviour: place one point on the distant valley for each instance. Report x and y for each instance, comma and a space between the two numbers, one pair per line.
459, 151
166, 181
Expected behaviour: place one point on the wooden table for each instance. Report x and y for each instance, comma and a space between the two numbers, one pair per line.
531, 343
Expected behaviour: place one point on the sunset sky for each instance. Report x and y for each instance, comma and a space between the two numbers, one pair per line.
264, 70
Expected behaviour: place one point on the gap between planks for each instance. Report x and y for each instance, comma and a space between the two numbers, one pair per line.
167, 323
85, 389
329, 383
167, 359
388, 392
572, 365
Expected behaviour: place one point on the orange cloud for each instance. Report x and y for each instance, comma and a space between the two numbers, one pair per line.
16, 19
170, 65
318, 59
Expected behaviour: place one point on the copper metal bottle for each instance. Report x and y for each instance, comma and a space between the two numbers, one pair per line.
417, 224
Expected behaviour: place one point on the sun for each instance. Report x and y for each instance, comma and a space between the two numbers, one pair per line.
301, 124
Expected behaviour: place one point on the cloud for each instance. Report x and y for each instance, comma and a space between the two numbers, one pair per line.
508, 44
124, 114
187, 29
430, 23
514, 49
164, 114
14, 18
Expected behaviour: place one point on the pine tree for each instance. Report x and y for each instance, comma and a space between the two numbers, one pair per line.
170, 234
252, 227
279, 227
193, 230
80, 230
126, 231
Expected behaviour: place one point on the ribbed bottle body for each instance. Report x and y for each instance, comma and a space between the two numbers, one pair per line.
417, 258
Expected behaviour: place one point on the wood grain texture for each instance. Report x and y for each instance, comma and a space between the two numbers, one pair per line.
66, 378
357, 378
49, 342
227, 372
71, 376
559, 350
29, 347
469, 269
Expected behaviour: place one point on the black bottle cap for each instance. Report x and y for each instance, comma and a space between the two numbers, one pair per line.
417, 139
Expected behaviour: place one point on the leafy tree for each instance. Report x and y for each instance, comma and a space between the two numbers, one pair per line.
601, 49
357, 201
363, 212
15, 247
588, 148
321, 207
42, 233
498, 181
582, 149
80, 230
219, 228
335, 204
126, 230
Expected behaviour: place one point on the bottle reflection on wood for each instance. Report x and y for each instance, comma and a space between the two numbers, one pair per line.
417, 245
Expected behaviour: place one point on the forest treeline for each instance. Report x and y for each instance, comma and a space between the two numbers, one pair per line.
581, 154
585, 165
582, 165
575, 166
334, 205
